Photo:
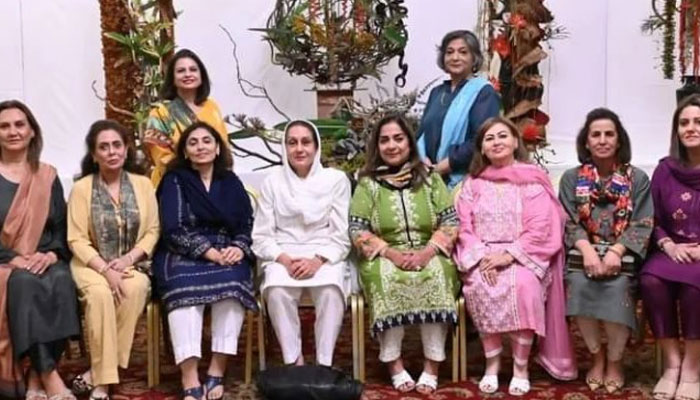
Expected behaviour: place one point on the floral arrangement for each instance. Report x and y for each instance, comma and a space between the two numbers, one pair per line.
513, 32
337, 41
685, 14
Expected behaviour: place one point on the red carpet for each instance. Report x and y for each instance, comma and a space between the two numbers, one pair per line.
639, 362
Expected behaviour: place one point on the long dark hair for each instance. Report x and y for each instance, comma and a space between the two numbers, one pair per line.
88, 166
37, 142
479, 160
223, 161
678, 151
624, 152
374, 160
168, 91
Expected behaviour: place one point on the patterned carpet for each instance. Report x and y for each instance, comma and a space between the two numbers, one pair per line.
639, 363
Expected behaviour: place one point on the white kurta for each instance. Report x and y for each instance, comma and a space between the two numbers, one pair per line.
274, 234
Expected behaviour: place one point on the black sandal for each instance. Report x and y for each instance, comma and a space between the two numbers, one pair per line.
196, 392
211, 383
80, 386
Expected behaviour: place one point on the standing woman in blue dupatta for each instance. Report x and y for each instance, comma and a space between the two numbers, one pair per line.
456, 109
204, 256
38, 310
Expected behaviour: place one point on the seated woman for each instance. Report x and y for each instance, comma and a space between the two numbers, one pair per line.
511, 258
184, 100
37, 296
403, 225
204, 256
112, 230
301, 237
609, 215
671, 273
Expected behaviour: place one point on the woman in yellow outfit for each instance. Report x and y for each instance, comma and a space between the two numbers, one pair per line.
184, 100
113, 227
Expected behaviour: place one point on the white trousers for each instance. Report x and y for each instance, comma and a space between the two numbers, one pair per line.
617, 336
186, 329
283, 309
432, 335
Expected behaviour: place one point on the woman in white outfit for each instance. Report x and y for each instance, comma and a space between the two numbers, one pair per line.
300, 236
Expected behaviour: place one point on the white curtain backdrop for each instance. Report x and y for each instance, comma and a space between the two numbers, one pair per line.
51, 54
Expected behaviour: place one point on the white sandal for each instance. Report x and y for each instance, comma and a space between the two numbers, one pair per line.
489, 384
404, 379
430, 381
519, 386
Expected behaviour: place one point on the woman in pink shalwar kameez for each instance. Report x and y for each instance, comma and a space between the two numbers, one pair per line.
510, 254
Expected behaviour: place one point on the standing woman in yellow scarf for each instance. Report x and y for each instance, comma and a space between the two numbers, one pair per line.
184, 100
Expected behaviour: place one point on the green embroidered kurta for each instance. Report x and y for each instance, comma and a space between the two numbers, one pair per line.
405, 219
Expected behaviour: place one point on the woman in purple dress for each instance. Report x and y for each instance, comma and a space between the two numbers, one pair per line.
672, 272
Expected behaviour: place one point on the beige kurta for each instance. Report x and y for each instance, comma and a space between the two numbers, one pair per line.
110, 327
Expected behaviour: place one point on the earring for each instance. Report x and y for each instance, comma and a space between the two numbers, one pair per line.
186, 156
217, 151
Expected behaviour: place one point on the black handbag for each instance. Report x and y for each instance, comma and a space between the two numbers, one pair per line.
574, 260
308, 382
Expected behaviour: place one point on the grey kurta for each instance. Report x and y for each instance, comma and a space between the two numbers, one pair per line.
42, 310
611, 299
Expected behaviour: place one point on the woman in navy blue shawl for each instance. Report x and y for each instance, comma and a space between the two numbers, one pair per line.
204, 255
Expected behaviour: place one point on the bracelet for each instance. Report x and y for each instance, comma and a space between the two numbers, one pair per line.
663, 242
614, 250
104, 269
382, 252
131, 258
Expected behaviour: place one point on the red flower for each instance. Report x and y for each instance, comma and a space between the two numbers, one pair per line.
531, 133
501, 45
518, 21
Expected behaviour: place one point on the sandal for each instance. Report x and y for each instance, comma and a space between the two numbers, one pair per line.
613, 386
519, 386
427, 381
32, 394
80, 386
594, 383
688, 391
196, 392
101, 397
665, 389
211, 383
403, 380
67, 395
489, 384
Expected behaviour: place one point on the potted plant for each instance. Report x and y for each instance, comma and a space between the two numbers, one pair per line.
336, 42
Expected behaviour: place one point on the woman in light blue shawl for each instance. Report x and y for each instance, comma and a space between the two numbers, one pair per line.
456, 108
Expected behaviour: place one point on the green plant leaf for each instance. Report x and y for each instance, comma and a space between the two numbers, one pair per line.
395, 36
120, 38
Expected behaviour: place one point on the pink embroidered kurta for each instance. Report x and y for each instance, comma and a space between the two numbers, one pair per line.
502, 216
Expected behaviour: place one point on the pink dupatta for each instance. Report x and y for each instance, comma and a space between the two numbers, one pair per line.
21, 232
555, 349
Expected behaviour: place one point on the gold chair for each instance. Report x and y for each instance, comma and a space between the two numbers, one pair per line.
459, 352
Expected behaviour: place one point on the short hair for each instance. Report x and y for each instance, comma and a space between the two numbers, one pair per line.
168, 91
373, 159
88, 166
472, 43
223, 161
624, 152
479, 160
678, 150
37, 142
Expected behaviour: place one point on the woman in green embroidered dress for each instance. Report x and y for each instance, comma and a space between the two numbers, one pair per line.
403, 224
